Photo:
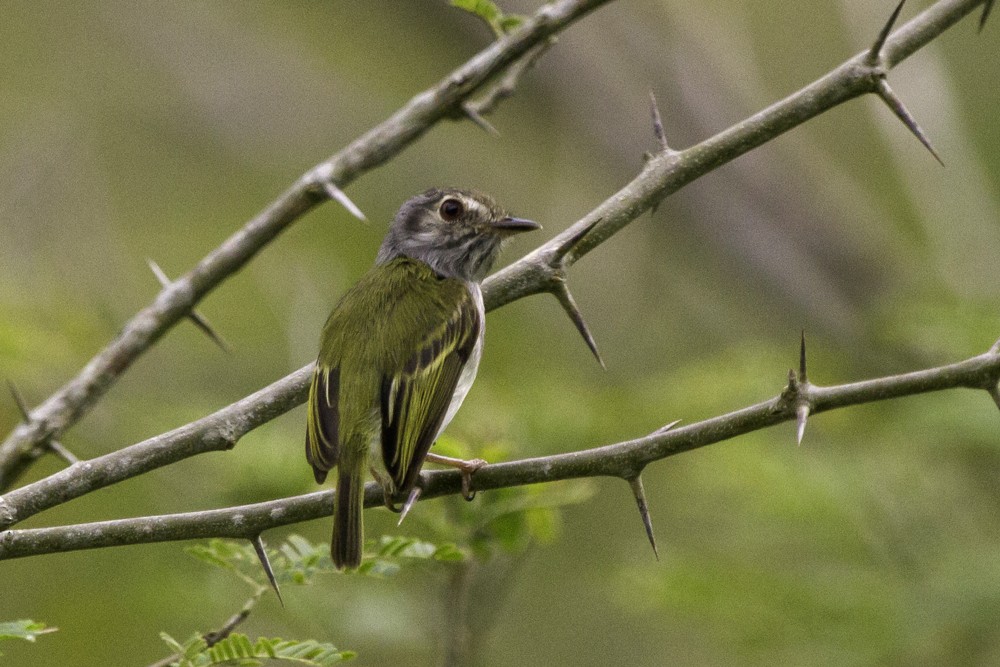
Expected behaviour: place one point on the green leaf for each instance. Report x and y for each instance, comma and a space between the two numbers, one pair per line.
25, 629
410, 547
494, 17
238, 649
511, 22
298, 561
484, 9
210, 553
174, 645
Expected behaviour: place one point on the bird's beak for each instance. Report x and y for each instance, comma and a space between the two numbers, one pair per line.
515, 225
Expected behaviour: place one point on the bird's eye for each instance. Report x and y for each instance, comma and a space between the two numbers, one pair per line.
451, 209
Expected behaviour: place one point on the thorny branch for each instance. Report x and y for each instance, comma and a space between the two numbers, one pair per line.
540, 271
624, 460
176, 301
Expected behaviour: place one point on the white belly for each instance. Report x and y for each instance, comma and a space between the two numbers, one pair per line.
468, 375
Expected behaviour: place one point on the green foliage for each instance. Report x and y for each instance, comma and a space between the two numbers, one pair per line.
392, 552
494, 17
237, 649
25, 629
298, 561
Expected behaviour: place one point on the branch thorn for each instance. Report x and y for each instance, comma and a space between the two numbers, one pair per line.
59, 450
561, 291
411, 500
664, 429
658, 132
52, 445
22, 407
199, 321
987, 8
994, 392
341, 197
883, 90
258, 546
640, 500
566, 246
875, 53
801, 415
197, 318
473, 114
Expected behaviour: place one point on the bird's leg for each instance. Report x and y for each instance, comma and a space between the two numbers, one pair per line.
466, 467
387, 491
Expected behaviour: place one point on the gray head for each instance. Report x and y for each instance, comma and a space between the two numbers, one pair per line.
458, 233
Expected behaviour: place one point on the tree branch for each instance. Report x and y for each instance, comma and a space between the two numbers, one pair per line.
624, 460
176, 301
669, 170
537, 272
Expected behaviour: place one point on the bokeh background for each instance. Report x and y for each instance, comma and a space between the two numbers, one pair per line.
135, 130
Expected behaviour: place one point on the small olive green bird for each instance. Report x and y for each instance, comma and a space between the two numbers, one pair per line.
400, 351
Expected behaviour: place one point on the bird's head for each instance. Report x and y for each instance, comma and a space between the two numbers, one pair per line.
458, 233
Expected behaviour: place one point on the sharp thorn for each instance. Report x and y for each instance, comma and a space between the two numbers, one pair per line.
875, 53
640, 500
658, 132
52, 445
197, 318
801, 415
664, 429
563, 248
802, 359
896, 105
158, 272
995, 348
337, 194
562, 293
472, 114
206, 328
994, 392
987, 8
793, 380
22, 407
411, 500
59, 450
258, 546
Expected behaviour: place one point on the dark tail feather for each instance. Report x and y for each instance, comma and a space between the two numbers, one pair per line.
348, 529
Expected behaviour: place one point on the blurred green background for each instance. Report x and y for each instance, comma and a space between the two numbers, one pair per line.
134, 130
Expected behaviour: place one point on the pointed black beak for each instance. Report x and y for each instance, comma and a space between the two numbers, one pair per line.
515, 225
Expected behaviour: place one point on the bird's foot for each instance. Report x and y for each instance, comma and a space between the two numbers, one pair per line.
467, 467
387, 492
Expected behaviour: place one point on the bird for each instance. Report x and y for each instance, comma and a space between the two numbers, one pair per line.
399, 353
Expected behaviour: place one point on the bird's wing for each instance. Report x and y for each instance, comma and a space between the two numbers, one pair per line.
414, 397
323, 421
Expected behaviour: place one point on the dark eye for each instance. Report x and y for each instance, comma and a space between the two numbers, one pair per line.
451, 209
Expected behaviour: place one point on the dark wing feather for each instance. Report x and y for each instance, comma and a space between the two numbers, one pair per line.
323, 425
415, 399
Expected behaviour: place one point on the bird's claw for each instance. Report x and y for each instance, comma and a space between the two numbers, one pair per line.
467, 470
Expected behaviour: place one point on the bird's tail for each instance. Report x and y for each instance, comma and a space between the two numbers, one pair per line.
348, 526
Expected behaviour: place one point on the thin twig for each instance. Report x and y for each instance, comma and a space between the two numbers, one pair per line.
215, 636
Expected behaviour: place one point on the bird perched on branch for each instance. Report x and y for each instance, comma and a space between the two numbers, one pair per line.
400, 351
